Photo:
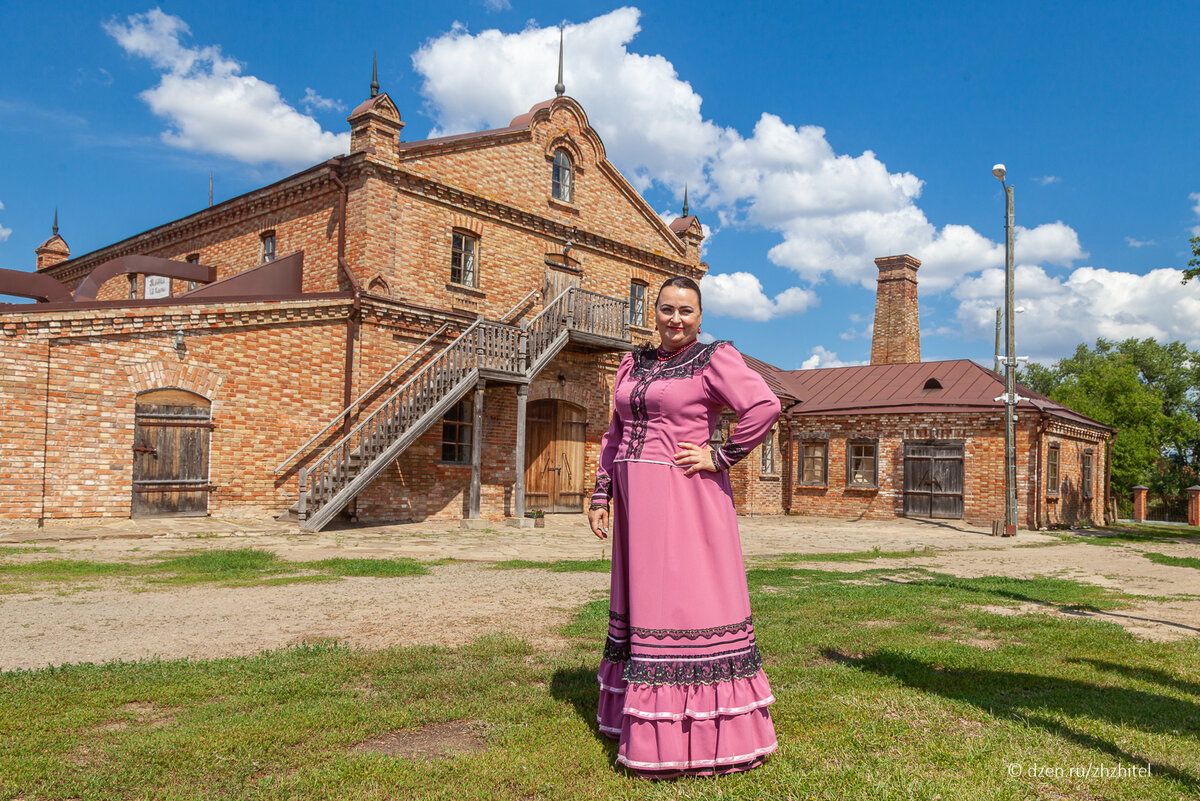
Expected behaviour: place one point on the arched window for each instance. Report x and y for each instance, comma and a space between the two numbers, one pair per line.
563, 188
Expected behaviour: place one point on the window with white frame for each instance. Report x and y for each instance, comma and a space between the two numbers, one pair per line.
464, 253
561, 178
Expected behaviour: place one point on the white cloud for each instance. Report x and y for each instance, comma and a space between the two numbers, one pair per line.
5, 233
312, 100
706, 338
1061, 312
1046, 180
1139, 243
826, 358
1196, 209
497, 5
741, 295
210, 107
1052, 243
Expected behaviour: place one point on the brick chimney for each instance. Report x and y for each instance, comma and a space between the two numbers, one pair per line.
897, 338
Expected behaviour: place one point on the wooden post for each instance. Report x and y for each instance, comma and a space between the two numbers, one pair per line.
476, 450
1139, 503
1193, 505
519, 485
302, 507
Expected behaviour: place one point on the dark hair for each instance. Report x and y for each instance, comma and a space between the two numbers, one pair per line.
683, 282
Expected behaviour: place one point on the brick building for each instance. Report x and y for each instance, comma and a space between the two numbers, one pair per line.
902, 437
413, 330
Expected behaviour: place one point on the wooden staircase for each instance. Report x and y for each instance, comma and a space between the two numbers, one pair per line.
497, 352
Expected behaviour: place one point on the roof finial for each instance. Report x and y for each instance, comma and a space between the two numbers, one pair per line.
54, 230
559, 88
374, 75
685, 208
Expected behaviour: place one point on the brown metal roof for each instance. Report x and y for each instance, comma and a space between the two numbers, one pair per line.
681, 224
902, 388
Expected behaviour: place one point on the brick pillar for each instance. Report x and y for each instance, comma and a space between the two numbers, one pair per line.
897, 334
1193, 505
1139, 503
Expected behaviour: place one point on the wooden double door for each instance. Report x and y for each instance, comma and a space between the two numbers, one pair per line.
554, 444
933, 479
171, 438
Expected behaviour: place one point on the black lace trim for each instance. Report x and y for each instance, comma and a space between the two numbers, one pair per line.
694, 634
730, 454
615, 651
603, 487
648, 368
618, 616
743, 665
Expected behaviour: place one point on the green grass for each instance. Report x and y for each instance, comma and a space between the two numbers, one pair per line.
1136, 532
233, 567
1173, 561
886, 688
853, 556
13, 550
558, 566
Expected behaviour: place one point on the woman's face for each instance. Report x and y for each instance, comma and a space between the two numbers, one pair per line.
677, 316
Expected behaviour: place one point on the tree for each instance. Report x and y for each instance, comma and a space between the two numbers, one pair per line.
1148, 391
1193, 268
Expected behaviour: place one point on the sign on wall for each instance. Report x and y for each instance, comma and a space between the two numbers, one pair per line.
158, 286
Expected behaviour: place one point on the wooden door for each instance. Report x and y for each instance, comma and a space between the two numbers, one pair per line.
933, 479
554, 444
171, 438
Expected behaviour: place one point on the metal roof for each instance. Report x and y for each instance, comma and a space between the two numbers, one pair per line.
955, 385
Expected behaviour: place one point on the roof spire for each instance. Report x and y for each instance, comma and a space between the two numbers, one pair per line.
374, 75
685, 208
54, 229
559, 88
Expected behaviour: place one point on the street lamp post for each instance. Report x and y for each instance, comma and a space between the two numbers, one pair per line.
1010, 365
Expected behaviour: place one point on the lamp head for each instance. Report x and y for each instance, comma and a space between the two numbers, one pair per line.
999, 171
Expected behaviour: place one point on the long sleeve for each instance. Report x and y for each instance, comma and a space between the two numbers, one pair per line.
610, 442
729, 381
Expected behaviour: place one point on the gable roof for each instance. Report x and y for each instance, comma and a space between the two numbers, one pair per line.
903, 388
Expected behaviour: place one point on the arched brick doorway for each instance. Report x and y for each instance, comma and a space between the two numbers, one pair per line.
171, 439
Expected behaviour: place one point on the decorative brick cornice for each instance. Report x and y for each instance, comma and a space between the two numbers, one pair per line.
116, 322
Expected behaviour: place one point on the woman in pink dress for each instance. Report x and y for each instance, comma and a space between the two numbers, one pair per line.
681, 680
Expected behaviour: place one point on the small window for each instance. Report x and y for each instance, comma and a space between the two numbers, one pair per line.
637, 303
456, 434
814, 467
193, 258
933, 383
1052, 469
1087, 473
463, 250
861, 463
562, 186
268, 247
768, 454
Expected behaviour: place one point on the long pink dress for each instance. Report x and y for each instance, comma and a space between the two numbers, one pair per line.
681, 680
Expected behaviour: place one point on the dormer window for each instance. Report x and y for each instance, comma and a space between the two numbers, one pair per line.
933, 383
562, 185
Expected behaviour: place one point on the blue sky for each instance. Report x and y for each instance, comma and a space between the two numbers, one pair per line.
813, 137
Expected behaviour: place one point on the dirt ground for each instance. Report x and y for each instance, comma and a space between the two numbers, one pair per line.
103, 620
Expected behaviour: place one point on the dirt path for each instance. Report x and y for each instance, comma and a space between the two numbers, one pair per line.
457, 602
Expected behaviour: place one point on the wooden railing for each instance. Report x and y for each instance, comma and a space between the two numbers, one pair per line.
353, 461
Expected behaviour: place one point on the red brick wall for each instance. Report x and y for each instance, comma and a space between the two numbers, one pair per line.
982, 435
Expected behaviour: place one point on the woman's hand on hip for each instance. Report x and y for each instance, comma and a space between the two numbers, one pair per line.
598, 518
698, 456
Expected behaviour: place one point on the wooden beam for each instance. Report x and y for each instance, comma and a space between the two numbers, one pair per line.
519, 486
476, 450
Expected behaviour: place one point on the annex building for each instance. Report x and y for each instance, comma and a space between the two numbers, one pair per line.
903, 437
